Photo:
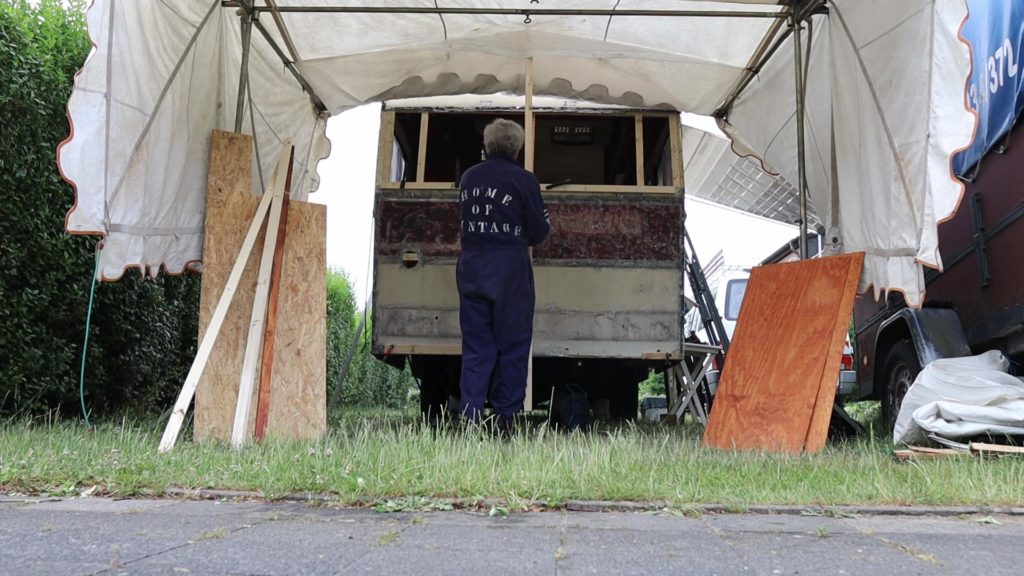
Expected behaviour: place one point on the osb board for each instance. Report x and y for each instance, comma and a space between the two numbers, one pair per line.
298, 388
778, 385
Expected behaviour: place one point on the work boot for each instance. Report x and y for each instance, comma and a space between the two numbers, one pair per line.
505, 427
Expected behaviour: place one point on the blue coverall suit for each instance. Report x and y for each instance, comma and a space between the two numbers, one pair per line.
502, 214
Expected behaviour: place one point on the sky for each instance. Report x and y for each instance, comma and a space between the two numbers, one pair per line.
347, 189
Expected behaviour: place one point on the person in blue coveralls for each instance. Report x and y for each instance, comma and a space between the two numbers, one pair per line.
502, 215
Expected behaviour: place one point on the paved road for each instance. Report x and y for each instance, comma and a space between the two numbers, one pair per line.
103, 536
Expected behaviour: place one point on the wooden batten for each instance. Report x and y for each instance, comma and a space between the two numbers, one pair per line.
385, 148
257, 321
421, 156
528, 160
675, 134
638, 126
270, 332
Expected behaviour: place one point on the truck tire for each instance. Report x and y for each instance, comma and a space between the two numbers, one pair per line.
900, 369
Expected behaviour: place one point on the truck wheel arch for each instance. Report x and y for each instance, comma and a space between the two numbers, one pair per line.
934, 332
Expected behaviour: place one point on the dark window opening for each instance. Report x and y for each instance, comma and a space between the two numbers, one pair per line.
455, 142
407, 146
657, 151
585, 150
582, 149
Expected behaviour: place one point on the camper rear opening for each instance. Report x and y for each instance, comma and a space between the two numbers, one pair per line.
608, 278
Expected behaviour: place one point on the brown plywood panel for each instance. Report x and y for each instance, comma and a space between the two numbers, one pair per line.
817, 432
778, 384
298, 388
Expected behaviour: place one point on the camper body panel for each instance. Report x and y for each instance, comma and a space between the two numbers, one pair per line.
607, 277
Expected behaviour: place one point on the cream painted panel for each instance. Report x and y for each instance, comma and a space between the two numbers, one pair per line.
558, 288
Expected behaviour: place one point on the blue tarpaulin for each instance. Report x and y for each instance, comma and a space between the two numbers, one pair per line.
995, 30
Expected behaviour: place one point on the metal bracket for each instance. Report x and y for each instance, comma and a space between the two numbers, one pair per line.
980, 237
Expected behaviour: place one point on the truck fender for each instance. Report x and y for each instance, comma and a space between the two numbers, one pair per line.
935, 332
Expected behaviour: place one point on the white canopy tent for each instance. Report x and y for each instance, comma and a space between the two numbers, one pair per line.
885, 103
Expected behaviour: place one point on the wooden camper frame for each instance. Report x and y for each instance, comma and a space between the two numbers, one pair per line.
386, 138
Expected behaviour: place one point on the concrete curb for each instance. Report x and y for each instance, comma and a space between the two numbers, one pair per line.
784, 509
623, 506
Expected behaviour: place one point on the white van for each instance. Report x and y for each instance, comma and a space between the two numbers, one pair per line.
728, 295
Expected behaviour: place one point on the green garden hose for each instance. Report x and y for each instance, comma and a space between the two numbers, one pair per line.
85, 344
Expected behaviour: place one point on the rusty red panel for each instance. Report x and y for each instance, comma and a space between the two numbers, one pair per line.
612, 231
580, 230
432, 225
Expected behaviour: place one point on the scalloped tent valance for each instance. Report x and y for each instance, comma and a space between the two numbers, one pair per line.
884, 98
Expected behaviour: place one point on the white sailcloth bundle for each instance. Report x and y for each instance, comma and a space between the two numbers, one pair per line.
962, 397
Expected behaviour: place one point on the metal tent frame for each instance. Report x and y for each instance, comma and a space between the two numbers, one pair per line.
794, 17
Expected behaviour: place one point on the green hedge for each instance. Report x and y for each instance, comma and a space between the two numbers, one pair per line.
368, 382
143, 333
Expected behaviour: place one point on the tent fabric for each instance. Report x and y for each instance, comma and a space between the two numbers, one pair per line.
164, 74
160, 78
889, 78
960, 398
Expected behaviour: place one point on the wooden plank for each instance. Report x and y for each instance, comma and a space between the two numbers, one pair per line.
385, 148
269, 335
983, 448
528, 163
528, 117
779, 360
817, 431
926, 453
439, 349
254, 342
421, 153
675, 133
937, 451
230, 165
638, 127
659, 356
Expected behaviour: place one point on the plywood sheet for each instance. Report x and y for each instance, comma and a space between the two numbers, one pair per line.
298, 388
778, 385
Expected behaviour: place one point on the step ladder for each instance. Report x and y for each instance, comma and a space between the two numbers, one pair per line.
686, 383
704, 299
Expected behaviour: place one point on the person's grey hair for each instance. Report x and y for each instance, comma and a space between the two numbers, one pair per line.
503, 137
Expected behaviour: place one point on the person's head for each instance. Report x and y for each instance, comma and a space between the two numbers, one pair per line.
503, 137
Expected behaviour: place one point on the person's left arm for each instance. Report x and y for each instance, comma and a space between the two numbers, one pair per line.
538, 221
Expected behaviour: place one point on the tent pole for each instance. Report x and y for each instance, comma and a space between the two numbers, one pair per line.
798, 66
532, 12
243, 72
528, 160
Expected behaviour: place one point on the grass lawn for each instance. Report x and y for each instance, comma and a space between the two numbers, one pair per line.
370, 456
